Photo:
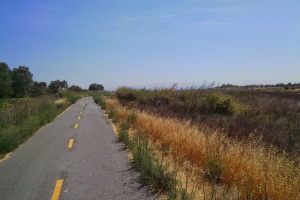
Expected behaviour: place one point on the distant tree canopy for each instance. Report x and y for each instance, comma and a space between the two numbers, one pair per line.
5, 81
18, 83
75, 88
96, 87
227, 85
38, 89
58, 86
21, 81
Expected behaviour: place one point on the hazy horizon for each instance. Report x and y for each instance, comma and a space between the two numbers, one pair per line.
143, 43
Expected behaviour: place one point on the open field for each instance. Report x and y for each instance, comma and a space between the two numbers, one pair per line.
217, 166
272, 115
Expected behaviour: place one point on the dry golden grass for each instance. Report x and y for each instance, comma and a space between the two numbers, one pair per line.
251, 169
60, 101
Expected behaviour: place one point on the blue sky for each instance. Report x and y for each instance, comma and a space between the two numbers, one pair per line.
157, 42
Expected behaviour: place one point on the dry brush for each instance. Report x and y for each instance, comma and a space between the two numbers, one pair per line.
246, 167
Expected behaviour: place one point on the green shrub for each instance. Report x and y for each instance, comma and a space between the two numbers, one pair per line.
126, 94
123, 134
217, 103
113, 115
72, 97
213, 170
132, 118
153, 172
124, 126
99, 99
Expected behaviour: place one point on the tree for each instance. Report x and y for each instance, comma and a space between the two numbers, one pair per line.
75, 88
95, 87
38, 89
21, 81
5, 81
58, 86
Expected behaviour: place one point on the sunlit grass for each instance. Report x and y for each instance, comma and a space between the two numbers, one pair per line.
246, 167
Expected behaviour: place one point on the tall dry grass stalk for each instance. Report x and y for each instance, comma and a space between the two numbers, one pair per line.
254, 171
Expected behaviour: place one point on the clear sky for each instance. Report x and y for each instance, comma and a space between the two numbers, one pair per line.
152, 42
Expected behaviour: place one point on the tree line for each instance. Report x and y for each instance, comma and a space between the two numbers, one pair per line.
18, 83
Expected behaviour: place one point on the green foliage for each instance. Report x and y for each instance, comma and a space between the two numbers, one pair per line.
58, 86
20, 118
96, 87
153, 172
123, 134
21, 81
99, 99
38, 89
113, 115
214, 169
75, 88
126, 94
72, 96
124, 126
132, 118
5, 81
217, 102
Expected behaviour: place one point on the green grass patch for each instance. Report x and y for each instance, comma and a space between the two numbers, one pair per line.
19, 121
99, 98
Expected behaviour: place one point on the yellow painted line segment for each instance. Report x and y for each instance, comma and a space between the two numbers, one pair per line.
70, 145
76, 125
57, 189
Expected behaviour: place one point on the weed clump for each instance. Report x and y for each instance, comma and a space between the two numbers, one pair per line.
99, 99
72, 97
113, 115
214, 169
126, 94
153, 172
217, 103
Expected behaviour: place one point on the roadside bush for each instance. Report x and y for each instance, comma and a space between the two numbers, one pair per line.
132, 118
153, 172
99, 99
126, 94
217, 103
72, 96
113, 115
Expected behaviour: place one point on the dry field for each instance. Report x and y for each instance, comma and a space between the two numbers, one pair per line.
220, 167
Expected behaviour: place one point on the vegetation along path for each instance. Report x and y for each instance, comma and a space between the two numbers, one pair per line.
77, 156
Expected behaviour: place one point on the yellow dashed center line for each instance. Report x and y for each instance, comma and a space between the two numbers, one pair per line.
70, 145
57, 189
59, 183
